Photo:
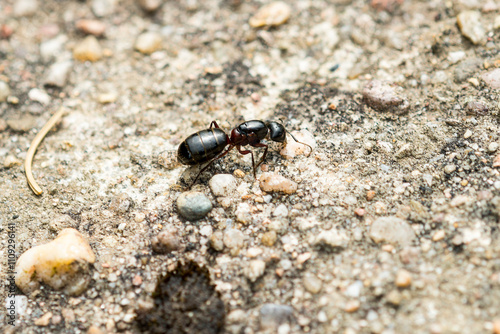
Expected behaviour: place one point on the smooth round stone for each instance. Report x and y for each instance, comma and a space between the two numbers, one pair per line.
193, 205
148, 42
223, 185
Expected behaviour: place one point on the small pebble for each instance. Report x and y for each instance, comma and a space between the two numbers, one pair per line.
63, 264
23, 124
455, 57
217, 241
394, 297
360, 212
11, 161
193, 205
448, 169
39, 95
496, 161
223, 185
53, 47
403, 279
467, 68
352, 306
120, 203
94, 330
470, 26
476, 108
88, 50
312, 283
439, 235
243, 214
331, 238
280, 211
91, 27
492, 78
293, 148
168, 159
272, 182
149, 5
254, 270
103, 7
370, 194
273, 14
148, 42
496, 326
233, 239
382, 96
467, 134
392, 230
137, 280
4, 91
166, 241
58, 73
239, 173
269, 238
271, 316
107, 97
44, 320
25, 7
493, 147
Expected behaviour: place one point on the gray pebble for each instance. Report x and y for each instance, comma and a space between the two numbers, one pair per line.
57, 74
476, 108
233, 239
166, 242
120, 203
470, 26
448, 169
23, 124
4, 91
467, 68
392, 230
223, 185
193, 205
383, 97
271, 316
53, 47
492, 78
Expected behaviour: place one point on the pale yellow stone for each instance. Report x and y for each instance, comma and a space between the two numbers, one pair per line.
272, 182
63, 264
273, 14
88, 50
403, 279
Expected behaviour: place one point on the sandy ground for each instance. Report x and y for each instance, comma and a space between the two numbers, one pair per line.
393, 228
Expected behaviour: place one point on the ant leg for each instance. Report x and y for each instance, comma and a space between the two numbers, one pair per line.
263, 155
208, 165
214, 123
245, 153
301, 143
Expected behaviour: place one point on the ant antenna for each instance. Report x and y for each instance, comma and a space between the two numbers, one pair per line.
300, 142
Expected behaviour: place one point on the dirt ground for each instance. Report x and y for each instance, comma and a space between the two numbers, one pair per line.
393, 228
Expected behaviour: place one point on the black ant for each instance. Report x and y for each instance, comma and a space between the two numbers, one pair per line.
207, 145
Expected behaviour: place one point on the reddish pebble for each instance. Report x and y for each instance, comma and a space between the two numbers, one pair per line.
370, 194
137, 280
5, 31
496, 162
360, 212
91, 27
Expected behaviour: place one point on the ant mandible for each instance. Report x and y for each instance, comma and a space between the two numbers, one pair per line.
207, 145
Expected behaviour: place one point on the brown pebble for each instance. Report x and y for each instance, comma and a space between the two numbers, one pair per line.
352, 306
166, 242
272, 182
370, 194
382, 96
403, 279
88, 50
496, 326
44, 319
91, 27
496, 162
5, 31
476, 108
269, 238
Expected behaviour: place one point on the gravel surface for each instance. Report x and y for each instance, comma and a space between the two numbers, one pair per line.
390, 225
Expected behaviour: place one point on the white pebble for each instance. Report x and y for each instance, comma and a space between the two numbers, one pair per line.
39, 95
293, 148
148, 42
254, 270
4, 91
223, 185
63, 264
57, 74
273, 14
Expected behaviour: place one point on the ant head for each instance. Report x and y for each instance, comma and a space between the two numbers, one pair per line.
277, 132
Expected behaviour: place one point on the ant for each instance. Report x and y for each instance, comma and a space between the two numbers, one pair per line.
207, 145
